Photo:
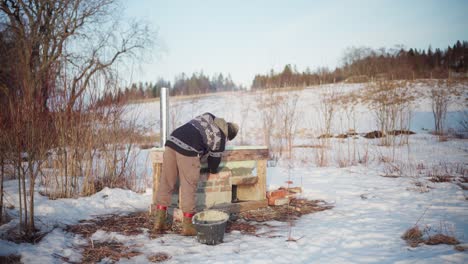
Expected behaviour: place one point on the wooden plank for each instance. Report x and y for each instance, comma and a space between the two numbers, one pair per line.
245, 154
241, 206
242, 180
257, 191
156, 155
157, 170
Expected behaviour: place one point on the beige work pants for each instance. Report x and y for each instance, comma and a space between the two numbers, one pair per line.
187, 170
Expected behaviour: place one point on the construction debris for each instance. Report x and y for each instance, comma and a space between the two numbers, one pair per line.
282, 195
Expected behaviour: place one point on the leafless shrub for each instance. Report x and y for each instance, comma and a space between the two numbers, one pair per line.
267, 104
245, 110
327, 109
321, 153
391, 104
287, 117
176, 114
363, 158
464, 121
392, 170
440, 98
57, 46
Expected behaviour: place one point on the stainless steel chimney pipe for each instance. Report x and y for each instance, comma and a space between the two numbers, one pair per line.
164, 104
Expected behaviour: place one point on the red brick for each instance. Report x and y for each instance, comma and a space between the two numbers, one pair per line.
212, 177
212, 189
277, 201
277, 193
226, 188
224, 174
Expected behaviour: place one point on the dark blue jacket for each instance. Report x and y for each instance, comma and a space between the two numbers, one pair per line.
199, 137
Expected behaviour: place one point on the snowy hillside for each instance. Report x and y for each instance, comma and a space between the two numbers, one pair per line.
378, 192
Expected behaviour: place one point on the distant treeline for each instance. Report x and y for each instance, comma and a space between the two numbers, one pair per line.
359, 65
198, 83
363, 64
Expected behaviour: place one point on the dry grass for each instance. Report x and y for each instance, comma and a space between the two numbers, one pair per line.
420, 186
159, 257
112, 250
10, 259
137, 223
441, 239
132, 224
413, 236
441, 178
20, 237
243, 227
284, 213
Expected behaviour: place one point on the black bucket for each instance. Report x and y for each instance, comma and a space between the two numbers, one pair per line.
210, 226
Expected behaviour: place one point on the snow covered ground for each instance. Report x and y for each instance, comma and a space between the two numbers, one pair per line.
371, 212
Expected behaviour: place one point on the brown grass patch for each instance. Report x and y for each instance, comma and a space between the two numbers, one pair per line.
317, 146
441, 239
11, 259
128, 225
463, 179
159, 257
243, 227
413, 236
113, 250
14, 236
284, 213
461, 248
137, 223
441, 178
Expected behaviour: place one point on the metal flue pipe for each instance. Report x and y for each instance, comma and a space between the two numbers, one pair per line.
164, 105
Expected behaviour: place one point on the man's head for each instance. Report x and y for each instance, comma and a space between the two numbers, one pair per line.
233, 128
229, 129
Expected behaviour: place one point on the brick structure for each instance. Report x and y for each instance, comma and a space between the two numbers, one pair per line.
240, 184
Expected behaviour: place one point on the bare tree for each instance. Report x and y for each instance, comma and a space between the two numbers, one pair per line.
391, 103
74, 39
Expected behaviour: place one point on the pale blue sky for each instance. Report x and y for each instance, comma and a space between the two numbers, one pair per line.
247, 37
